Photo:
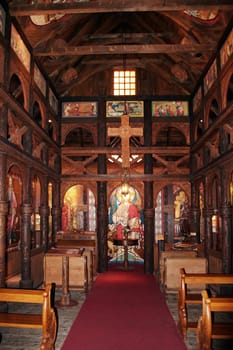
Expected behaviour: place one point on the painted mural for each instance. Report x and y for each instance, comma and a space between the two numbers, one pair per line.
14, 190
53, 101
79, 109
2, 20
20, 48
197, 100
39, 80
126, 221
118, 108
227, 49
210, 77
170, 108
78, 211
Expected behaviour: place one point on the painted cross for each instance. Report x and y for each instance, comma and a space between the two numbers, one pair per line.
125, 132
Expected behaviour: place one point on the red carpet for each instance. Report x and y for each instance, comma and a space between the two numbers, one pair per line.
125, 310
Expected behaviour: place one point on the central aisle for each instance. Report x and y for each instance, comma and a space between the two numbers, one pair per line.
125, 310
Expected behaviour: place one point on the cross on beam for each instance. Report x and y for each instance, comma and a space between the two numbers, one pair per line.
125, 131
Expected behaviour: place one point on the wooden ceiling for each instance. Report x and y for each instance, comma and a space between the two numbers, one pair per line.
74, 40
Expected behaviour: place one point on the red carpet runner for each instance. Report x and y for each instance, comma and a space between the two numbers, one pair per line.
125, 310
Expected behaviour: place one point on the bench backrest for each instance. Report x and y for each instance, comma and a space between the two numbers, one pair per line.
200, 279
213, 304
36, 296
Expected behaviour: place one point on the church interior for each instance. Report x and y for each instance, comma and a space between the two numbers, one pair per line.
116, 141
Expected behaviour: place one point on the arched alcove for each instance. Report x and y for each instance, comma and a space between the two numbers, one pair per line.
14, 198
126, 221
16, 89
36, 113
171, 213
79, 209
35, 217
213, 112
230, 92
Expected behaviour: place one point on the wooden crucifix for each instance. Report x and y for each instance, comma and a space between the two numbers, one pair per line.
125, 132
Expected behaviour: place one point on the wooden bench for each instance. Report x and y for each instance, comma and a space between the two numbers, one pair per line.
191, 285
46, 320
208, 328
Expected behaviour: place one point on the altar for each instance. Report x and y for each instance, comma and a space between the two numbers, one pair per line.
125, 243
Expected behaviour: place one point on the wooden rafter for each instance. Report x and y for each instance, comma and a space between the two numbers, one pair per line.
104, 6
122, 49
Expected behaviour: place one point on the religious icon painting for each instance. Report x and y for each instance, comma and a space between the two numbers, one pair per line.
20, 48
118, 108
53, 101
227, 49
79, 109
197, 99
210, 77
2, 20
170, 108
39, 80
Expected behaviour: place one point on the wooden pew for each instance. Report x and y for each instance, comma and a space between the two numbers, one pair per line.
46, 321
209, 329
191, 285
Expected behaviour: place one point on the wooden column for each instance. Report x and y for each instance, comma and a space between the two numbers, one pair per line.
56, 211
26, 212
102, 227
226, 225
149, 230
44, 226
226, 214
102, 208
3, 215
44, 214
3, 119
195, 213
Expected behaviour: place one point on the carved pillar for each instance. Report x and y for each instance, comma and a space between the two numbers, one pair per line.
26, 281
102, 208
44, 214
148, 237
195, 213
56, 222
207, 213
56, 211
44, 226
149, 213
226, 213
26, 212
102, 227
3, 215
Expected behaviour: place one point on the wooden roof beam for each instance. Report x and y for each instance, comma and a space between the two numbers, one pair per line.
102, 6
122, 49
